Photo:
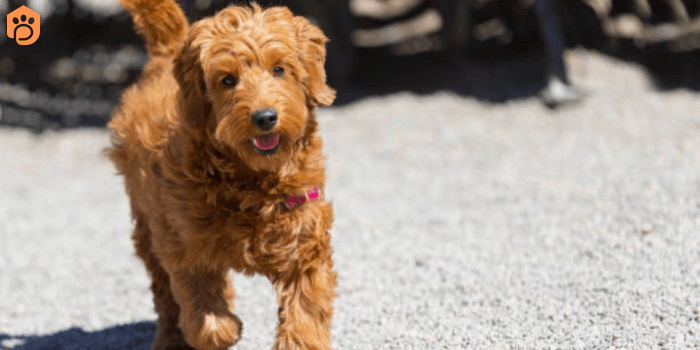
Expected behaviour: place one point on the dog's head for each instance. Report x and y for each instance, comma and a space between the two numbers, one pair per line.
251, 78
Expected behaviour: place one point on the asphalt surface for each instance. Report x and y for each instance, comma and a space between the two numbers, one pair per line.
460, 224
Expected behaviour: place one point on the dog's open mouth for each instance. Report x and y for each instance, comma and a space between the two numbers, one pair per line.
266, 144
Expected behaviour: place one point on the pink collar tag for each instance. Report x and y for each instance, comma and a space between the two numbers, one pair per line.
294, 200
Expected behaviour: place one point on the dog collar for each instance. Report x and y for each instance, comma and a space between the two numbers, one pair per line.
294, 200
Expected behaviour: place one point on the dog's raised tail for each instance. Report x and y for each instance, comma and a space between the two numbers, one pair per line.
162, 23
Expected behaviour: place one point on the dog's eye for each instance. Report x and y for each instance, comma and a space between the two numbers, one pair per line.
229, 80
278, 72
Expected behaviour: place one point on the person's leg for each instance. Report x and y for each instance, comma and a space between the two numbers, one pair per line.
557, 90
456, 21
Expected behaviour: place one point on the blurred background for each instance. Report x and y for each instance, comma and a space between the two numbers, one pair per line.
496, 50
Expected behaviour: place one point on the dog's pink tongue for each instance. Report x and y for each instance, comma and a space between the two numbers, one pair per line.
266, 142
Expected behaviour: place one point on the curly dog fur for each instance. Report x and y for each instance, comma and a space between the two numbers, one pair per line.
205, 195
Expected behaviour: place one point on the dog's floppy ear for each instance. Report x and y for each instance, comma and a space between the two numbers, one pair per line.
194, 105
312, 53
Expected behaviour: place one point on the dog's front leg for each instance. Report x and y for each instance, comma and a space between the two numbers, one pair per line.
206, 308
305, 299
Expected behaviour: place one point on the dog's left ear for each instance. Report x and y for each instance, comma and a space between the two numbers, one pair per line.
312, 53
189, 75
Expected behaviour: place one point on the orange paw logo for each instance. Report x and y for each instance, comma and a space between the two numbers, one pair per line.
23, 25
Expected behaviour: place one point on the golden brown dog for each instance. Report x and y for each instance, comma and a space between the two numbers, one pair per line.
216, 133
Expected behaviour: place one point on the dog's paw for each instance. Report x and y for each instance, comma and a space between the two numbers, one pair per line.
212, 331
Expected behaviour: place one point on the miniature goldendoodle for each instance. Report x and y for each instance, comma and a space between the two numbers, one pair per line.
214, 137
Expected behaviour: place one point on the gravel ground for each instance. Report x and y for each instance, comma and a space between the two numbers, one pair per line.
460, 224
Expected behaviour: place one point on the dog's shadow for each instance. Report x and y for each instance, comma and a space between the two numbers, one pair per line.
137, 336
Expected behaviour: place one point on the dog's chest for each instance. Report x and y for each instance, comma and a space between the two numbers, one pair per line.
263, 219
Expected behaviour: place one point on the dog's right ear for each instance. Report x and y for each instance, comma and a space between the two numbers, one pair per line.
313, 56
194, 105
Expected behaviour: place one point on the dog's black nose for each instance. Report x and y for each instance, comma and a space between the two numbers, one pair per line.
265, 118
